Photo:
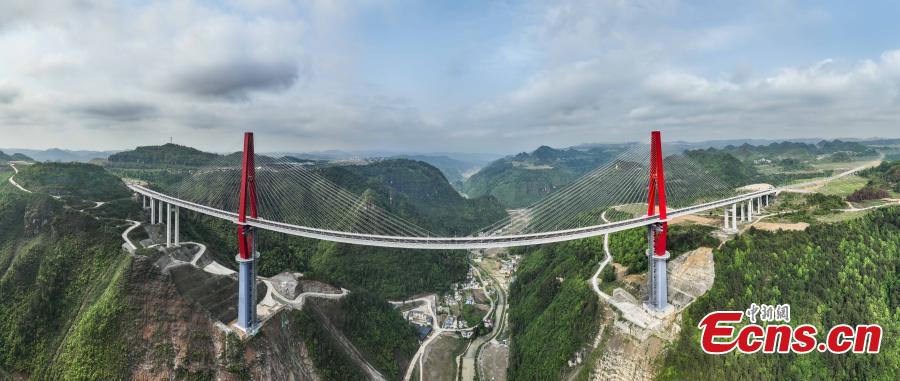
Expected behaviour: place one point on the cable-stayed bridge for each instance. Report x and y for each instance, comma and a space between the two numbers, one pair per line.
641, 184
295, 199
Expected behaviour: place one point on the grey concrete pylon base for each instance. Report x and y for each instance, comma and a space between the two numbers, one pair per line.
247, 320
657, 276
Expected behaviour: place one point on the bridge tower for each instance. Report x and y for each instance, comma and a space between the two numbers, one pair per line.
247, 320
657, 255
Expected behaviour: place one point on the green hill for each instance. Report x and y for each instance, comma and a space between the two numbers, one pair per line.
454, 170
830, 274
884, 176
168, 154
75, 306
419, 193
553, 311
14, 157
60, 275
835, 150
413, 190
78, 180
520, 180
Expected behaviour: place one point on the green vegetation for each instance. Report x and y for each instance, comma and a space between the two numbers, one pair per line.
608, 274
520, 180
818, 203
843, 186
553, 311
330, 360
802, 152
419, 193
379, 331
793, 164
60, 277
77, 180
472, 315
167, 154
454, 170
390, 273
413, 190
724, 166
867, 193
629, 247
844, 273
14, 157
884, 176
96, 337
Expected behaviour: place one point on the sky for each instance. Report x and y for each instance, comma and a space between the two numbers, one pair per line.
428, 76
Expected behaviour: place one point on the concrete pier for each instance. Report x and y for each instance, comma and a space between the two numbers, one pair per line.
168, 225
658, 298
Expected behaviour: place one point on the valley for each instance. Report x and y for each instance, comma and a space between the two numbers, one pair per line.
564, 311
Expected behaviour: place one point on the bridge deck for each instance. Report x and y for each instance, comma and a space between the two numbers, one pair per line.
437, 243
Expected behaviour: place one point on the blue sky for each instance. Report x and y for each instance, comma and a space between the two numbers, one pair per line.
419, 76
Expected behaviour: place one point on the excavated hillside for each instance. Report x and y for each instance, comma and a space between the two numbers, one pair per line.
77, 306
173, 338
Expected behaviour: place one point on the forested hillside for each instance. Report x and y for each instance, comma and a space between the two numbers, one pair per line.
171, 154
884, 176
520, 180
629, 247
803, 151
60, 274
843, 273
413, 190
419, 193
553, 310
454, 170
14, 157
77, 306
78, 180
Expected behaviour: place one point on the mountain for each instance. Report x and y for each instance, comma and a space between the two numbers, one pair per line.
802, 151
331, 155
412, 190
14, 157
830, 274
77, 306
456, 171
61, 155
79, 180
455, 166
520, 180
168, 154
419, 193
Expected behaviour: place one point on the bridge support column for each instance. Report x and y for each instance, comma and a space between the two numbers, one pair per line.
734, 216
657, 273
247, 320
152, 211
725, 213
759, 202
177, 232
168, 225
750, 210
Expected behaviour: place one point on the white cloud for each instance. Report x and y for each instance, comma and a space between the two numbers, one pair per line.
104, 74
